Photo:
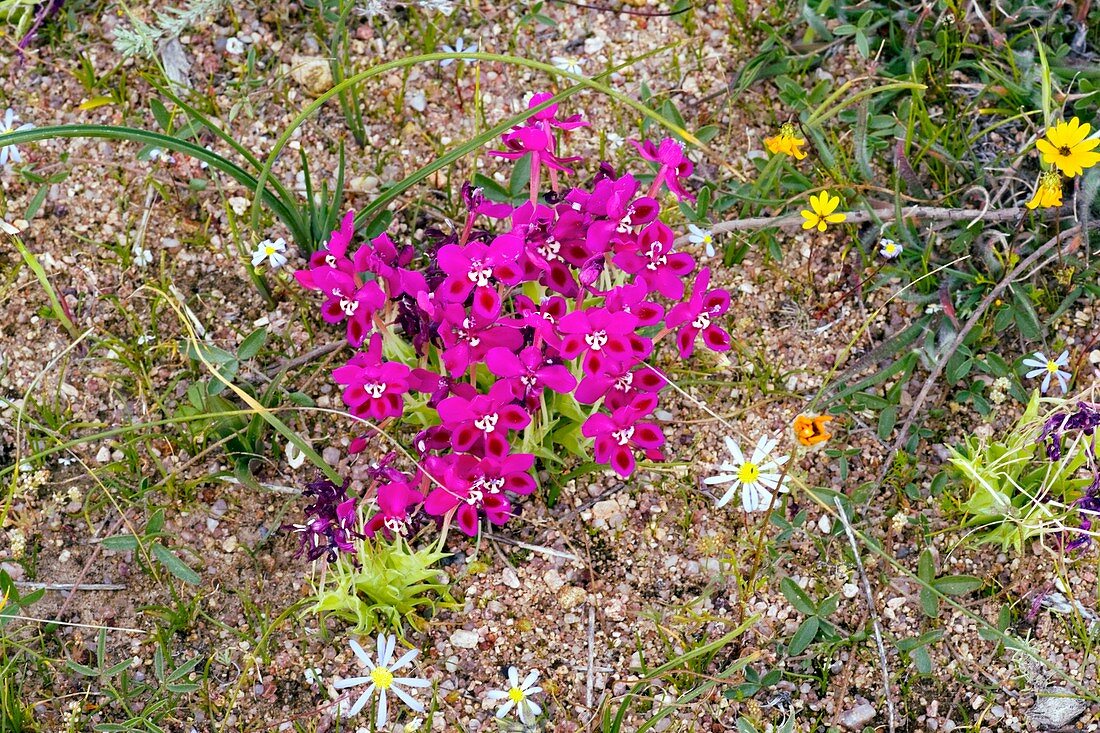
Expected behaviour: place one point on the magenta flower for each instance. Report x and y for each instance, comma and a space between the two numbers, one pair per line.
537, 139
620, 212
375, 388
601, 335
619, 385
542, 318
382, 258
466, 339
476, 486
481, 424
699, 315
632, 299
617, 436
347, 300
528, 373
654, 262
393, 518
333, 255
475, 268
674, 166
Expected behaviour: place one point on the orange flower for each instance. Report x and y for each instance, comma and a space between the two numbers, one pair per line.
811, 430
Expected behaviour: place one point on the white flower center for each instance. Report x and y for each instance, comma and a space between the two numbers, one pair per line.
596, 340
349, 306
622, 437
488, 423
624, 223
474, 496
330, 260
702, 321
375, 389
623, 383
479, 273
656, 257
549, 249
397, 526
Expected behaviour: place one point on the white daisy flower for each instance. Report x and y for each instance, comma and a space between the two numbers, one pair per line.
757, 477
7, 124
705, 237
273, 252
888, 248
518, 696
1051, 368
614, 140
568, 64
142, 256
381, 679
459, 47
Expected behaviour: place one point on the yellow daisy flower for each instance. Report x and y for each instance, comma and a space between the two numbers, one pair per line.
1048, 193
822, 214
1068, 146
787, 142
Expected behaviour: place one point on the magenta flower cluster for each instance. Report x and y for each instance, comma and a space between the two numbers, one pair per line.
560, 298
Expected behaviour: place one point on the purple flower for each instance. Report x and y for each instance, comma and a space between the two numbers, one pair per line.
619, 386
333, 255
467, 338
528, 373
475, 487
617, 435
393, 518
375, 388
474, 268
674, 166
346, 299
481, 424
601, 336
698, 315
331, 527
654, 262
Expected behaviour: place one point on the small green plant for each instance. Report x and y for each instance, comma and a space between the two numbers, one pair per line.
149, 546
1011, 493
383, 585
816, 623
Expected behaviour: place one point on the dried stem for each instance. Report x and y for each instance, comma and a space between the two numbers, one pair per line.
871, 609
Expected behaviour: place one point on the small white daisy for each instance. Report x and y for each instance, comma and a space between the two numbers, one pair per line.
705, 237
568, 64
518, 696
459, 47
381, 679
614, 140
757, 477
142, 256
273, 252
7, 124
888, 248
1050, 368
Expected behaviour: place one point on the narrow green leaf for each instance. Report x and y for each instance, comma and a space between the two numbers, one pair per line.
174, 565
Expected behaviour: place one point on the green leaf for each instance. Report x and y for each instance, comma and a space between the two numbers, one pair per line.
81, 669
161, 114
921, 660
804, 636
926, 567
929, 603
797, 597
174, 565
252, 344
121, 542
957, 585
156, 523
